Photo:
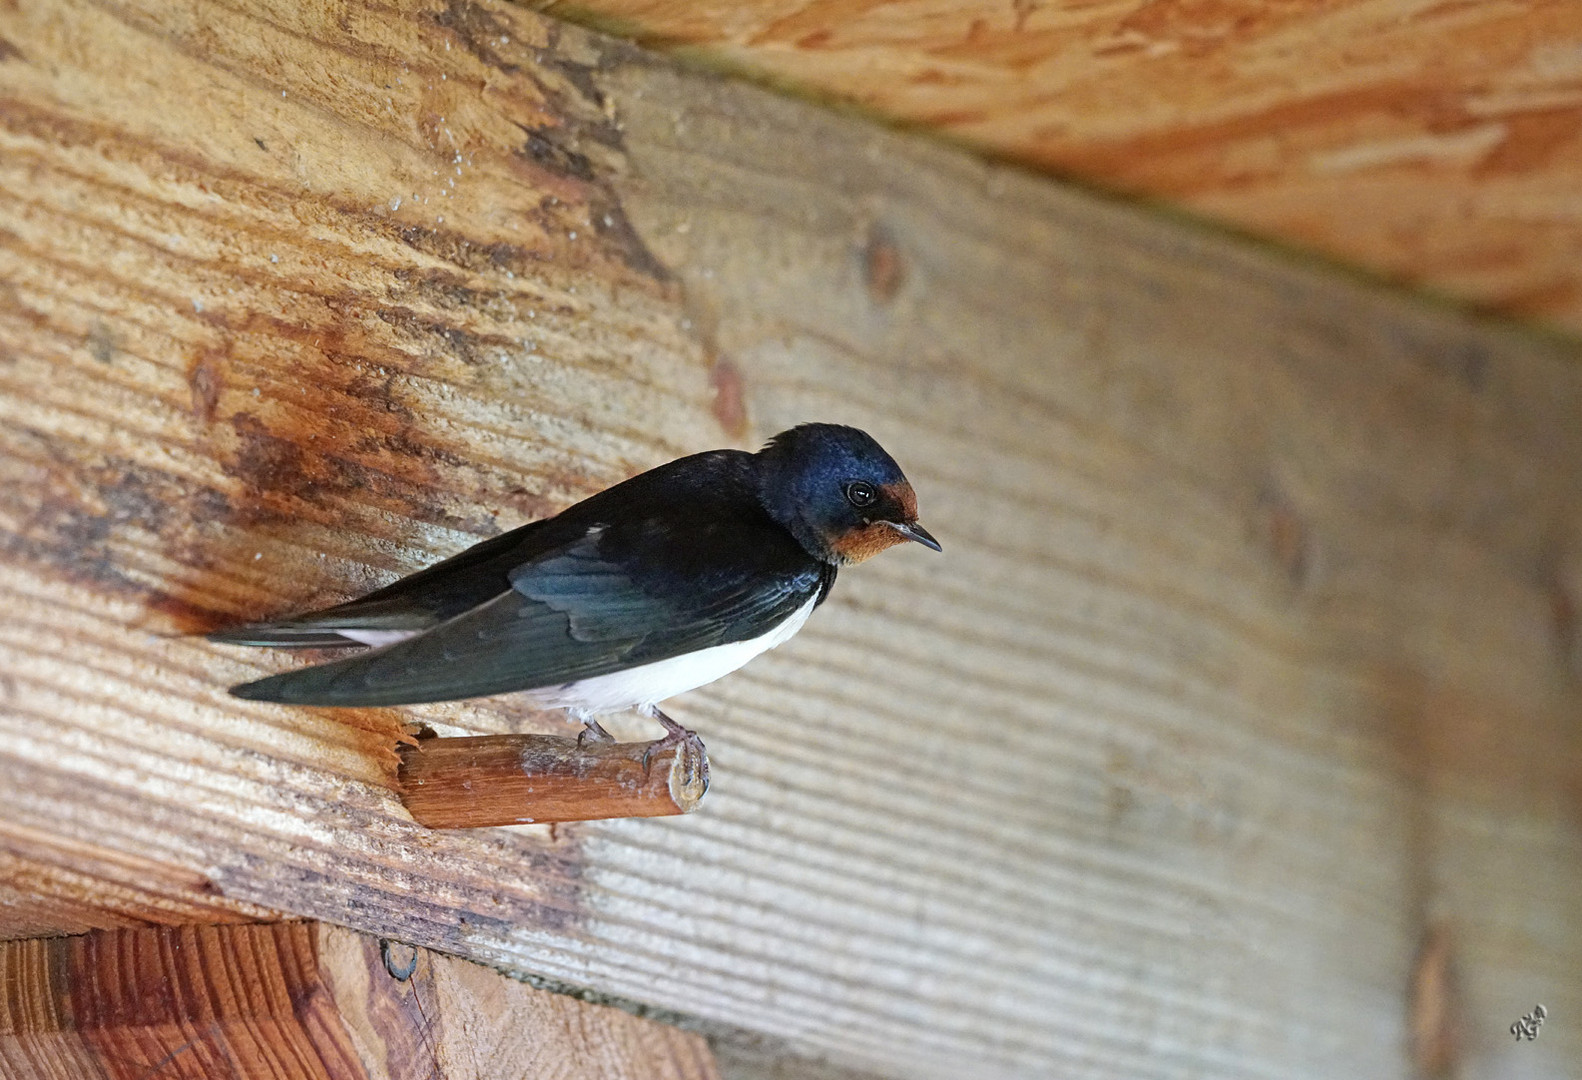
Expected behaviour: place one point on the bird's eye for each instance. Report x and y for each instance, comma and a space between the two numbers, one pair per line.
860, 493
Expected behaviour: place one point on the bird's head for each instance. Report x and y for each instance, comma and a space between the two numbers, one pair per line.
839, 493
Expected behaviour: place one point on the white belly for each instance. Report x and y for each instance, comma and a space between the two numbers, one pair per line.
376, 638
653, 683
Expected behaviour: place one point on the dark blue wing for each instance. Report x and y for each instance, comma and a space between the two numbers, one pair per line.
615, 598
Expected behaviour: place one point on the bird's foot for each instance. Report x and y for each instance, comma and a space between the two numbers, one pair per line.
592, 729
675, 734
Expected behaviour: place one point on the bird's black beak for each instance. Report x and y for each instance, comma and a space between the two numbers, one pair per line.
914, 531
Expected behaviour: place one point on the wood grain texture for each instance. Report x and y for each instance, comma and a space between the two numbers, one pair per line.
1439, 144
301, 1001
466, 783
50, 885
1254, 654
193, 1002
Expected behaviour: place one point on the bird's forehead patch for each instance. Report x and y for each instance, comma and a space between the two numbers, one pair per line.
901, 494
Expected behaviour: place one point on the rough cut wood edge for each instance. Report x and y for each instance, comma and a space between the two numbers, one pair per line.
304, 1001
468, 783
1270, 581
1436, 144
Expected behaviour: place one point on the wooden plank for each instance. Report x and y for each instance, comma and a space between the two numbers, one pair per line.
1439, 144
301, 1001
1252, 665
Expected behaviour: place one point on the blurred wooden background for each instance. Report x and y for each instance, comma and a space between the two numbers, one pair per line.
1436, 143
1235, 734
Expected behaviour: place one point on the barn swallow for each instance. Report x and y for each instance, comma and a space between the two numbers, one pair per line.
658, 585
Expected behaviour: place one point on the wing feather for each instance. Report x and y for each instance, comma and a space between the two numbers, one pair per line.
417, 602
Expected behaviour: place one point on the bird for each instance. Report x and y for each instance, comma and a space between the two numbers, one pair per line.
660, 584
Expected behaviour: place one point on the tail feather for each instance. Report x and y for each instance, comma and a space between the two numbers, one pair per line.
281, 636
323, 629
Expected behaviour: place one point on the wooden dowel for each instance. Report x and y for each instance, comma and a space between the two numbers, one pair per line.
467, 783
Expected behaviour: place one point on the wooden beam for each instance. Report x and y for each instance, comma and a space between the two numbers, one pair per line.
1437, 144
1252, 664
303, 1001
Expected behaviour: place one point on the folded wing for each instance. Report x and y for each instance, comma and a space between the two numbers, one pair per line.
612, 599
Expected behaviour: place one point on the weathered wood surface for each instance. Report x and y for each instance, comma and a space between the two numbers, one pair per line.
1252, 665
304, 1001
466, 783
1437, 143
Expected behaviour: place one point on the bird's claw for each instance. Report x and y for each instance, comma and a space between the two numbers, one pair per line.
675, 735
592, 729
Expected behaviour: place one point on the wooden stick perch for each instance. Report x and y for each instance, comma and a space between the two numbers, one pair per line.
471, 782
